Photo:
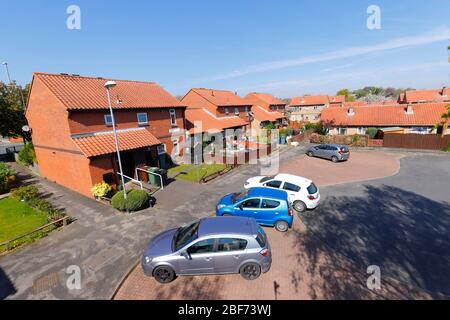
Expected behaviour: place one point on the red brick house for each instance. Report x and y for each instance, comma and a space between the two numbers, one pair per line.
266, 108
216, 110
72, 128
425, 96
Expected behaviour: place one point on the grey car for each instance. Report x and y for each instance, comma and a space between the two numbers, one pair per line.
333, 152
219, 245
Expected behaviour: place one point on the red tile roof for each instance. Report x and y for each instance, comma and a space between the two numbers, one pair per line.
221, 98
426, 114
336, 99
355, 104
265, 97
210, 123
309, 101
432, 95
103, 143
262, 114
77, 92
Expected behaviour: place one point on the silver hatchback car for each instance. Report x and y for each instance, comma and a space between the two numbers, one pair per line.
333, 152
219, 245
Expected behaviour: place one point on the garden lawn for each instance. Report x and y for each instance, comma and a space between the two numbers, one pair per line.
195, 173
17, 218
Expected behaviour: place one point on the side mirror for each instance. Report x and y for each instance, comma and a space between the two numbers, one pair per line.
241, 207
185, 254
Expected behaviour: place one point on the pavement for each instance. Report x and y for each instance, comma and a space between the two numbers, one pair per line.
398, 221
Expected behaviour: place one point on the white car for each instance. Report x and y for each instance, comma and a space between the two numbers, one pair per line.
303, 193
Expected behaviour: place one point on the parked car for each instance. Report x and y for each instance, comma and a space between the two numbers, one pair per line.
333, 152
303, 193
209, 246
268, 207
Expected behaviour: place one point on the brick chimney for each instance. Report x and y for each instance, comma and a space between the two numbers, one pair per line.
351, 112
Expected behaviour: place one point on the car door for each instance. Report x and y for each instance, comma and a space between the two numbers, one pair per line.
292, 190
199, 258
230, 254
270, 211
247, 208
320, 151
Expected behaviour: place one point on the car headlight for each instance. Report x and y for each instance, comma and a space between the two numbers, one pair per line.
147, 260
220, 206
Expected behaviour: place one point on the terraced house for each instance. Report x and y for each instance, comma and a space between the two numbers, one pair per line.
265, 109
309, 108
72, 128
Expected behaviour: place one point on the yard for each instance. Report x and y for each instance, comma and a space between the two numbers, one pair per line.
195, 173
17, 218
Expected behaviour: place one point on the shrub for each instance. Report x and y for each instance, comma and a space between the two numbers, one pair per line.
372, 132
289, 131
25, 193
27, 155
282, 132
101, 189
137, 200
41, 205
7, 176
118, 201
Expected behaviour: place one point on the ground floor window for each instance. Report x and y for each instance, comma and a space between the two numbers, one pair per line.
342, 131
161, 149
361, 130
176, 147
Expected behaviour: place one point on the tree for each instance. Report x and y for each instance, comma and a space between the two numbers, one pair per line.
347, 94
12, 113
444, 123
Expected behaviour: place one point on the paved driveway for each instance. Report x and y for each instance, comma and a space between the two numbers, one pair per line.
400, 223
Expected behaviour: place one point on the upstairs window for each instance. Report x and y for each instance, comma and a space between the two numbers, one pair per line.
161, 148
236, 111
108, 120
227, 111
142, 118
173, 117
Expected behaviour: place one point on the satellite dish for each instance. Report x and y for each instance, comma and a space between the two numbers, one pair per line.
26, 129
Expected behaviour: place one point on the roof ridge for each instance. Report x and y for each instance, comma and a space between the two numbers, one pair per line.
90, 77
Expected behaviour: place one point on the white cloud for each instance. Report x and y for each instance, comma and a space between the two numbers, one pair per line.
437, 35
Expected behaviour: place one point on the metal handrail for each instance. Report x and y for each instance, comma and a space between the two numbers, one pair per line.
132, 180
149, 172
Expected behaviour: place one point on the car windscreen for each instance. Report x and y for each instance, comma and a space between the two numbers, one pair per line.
238, 196
266, 179
185, 235
312, 189
261, 237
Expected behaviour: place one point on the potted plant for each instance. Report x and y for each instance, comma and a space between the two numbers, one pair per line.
101, 190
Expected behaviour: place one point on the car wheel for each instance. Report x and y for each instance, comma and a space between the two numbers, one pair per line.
299, 206
334, 159
250, 271
282, 226
310, 154
164, 274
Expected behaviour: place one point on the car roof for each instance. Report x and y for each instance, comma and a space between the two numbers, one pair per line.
227, 225
293, 179
268, 192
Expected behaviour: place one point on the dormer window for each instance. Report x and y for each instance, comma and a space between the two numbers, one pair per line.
173, 117
108, 120
142, 118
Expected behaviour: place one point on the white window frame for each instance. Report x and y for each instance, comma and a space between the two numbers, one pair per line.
227, 111
108, 123
362, 130
342, 131
173, 117
158, 149
141, 114
236, 111
176, 147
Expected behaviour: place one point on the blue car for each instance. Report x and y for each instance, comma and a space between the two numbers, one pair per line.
269, 207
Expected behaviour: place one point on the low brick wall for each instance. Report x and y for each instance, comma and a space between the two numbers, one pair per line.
375, 142
355, 140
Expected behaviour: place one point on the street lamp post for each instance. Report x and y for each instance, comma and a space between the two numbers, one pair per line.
108, 86
11, 83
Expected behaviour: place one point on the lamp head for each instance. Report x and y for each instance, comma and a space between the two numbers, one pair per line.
110, 84
5, 63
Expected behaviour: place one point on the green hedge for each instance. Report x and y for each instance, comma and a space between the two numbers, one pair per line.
27, 155
136, 200
7, 177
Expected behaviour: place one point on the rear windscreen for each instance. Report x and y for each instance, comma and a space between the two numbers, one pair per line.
261, 237
312, 189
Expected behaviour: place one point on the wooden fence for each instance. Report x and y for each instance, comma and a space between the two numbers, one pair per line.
416, 141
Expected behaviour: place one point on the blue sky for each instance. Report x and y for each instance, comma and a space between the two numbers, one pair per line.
287, 48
